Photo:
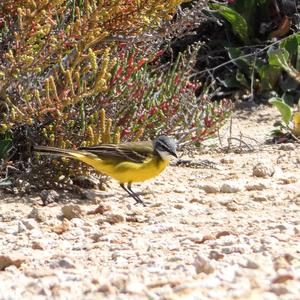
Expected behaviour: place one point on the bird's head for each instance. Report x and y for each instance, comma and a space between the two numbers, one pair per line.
165, 147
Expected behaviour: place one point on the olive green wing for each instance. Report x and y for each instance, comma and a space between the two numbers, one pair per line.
133, 152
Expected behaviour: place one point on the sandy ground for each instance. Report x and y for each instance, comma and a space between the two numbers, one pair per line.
228, 230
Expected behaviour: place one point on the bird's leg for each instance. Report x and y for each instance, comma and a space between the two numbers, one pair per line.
132, 193
136, 196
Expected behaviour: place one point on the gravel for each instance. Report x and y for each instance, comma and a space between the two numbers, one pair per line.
194, 240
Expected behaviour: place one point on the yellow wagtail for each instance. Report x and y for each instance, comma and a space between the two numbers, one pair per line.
127, 163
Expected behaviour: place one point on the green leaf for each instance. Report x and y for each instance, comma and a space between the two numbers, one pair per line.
279, 58
269, 76
284, 109
237, 21
5, 146
243, 63
248, 9
291, 43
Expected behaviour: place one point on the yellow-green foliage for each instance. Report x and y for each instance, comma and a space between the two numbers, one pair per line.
60, 55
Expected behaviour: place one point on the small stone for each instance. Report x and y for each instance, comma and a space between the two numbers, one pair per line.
91, 195
287, 180
38, 214
231, 205
61, 228
86, 182
49, 196
279, 290
63, 263
282, 278
209, 188
263, 169
39, 245
78, 222
255, 187
36, 233
248, 263
11, 260
259, 198
21, 227
202, 265
30, 224
224, 233
100, 209
114, 218
180, 190
231, 187
178, 206
71, 211
226, 161
278, 172
106, 288
287, 147
282, 262
234, 249
216, 255
133, 286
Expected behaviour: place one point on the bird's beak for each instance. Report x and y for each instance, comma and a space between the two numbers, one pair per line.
174, 154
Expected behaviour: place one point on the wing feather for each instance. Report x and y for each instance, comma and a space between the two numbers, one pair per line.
133, 152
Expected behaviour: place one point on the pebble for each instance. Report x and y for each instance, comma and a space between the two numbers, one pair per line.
100, 209
260, 198
21, 227
114, 218
278, 173
36, 233
202, 265
287, 147
287, 180
263, 169
225, 233
209, 188
11, 260
199, 238
49, 196
71, 211
235, 249
107, 288
134, 286
39, 245
65, 263
282, 278
279, 290
231, 187
255, 186
86, 182
213, 254
180, 189
226, 161
78, 222
248, 263
30, 224
61, 228
38, 214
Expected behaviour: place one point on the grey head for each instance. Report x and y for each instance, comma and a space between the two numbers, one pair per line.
165, 146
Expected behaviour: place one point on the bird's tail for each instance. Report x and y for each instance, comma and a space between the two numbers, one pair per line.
45, 150
81, 155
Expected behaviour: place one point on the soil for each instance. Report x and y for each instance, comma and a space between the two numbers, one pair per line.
225, 226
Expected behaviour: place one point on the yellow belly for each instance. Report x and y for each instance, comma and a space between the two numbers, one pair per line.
128, 171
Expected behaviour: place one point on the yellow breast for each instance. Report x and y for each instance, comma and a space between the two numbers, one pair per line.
129, 171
